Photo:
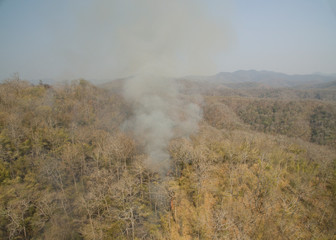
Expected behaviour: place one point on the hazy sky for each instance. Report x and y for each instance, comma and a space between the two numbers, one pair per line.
101, 39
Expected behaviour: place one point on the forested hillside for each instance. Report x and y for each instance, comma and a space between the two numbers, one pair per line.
311, 120
258, 168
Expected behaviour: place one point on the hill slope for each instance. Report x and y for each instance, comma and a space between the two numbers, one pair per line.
69, 171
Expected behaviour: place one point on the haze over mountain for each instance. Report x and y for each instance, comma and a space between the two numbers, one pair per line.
245, 78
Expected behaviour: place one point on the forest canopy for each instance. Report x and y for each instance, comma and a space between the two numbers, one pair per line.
258, 168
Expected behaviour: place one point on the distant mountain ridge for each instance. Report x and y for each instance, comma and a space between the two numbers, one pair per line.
241, 78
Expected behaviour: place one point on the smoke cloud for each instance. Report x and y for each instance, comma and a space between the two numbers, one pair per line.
118, 38
161, 39
160, 114
167, 38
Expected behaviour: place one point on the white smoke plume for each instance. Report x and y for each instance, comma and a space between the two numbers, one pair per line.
161, 39
160, 114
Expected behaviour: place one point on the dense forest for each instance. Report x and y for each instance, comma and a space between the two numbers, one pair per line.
261, 166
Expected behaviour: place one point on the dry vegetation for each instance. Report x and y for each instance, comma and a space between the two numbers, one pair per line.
259, 168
